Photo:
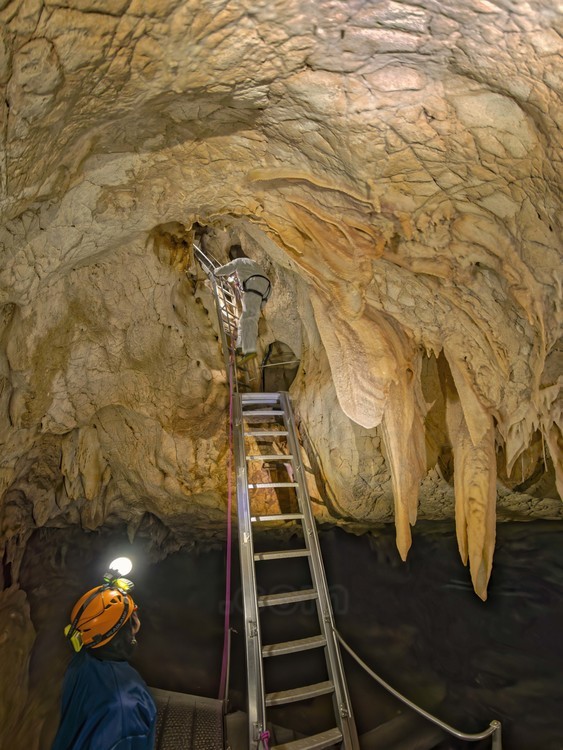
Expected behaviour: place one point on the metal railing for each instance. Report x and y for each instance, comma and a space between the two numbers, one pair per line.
494, 729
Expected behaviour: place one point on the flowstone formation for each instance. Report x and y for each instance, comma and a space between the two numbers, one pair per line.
395, 166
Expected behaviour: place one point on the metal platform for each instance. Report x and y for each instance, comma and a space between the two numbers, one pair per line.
188, 722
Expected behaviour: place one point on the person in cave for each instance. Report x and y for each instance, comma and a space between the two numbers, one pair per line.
256, 287
105, 703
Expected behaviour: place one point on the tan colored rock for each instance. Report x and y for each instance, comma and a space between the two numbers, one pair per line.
396, 168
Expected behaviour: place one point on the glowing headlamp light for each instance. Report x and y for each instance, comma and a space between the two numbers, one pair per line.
117, 569
122, 565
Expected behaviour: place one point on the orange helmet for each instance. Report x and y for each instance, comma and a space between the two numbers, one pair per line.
98, 616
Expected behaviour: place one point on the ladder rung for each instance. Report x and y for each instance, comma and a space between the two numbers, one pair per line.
265, 485
262, 413
286, 597
299, 694
291, 647
261, 398
265, 433
282, 553
271, 457
314, 742
278, 517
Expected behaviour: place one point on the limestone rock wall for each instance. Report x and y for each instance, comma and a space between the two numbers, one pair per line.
397, 169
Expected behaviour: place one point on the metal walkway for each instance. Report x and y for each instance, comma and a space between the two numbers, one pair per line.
187, 722
266, 446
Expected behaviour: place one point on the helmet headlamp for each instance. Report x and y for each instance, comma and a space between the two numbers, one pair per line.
101, 612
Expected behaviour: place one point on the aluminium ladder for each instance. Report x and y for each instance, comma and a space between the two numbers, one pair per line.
266, 420
266, 442
227, 297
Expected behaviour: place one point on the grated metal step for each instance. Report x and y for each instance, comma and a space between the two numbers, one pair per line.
291, 647
286, 597
187, 722
299, 694
315, 742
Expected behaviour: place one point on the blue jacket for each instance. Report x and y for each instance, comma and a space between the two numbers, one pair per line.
105, 706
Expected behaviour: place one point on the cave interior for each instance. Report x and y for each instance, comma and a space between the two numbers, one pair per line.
395, 168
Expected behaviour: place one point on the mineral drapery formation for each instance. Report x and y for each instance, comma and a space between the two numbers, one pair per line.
395, 167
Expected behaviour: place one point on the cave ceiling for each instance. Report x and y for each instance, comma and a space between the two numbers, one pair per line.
396, 168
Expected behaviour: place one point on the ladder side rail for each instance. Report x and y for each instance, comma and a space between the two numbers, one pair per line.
207, 261
343, 706
256, 697
228, 318
227, 349
228, 303
209, 265
227, 329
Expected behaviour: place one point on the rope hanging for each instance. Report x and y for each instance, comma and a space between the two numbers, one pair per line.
225, 662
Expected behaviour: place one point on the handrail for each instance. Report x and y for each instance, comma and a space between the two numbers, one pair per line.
494, 730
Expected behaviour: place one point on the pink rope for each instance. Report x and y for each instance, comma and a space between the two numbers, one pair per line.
264, 739
225, 662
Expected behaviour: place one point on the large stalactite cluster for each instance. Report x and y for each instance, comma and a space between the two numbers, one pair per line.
395, 167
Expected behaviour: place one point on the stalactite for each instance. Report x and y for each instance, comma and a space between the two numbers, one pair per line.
403, 435
361, 363
376, 372
475, 487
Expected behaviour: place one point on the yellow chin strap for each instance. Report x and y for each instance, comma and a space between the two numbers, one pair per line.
75, 638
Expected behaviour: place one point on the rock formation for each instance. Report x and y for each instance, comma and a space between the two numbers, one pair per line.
395, 166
